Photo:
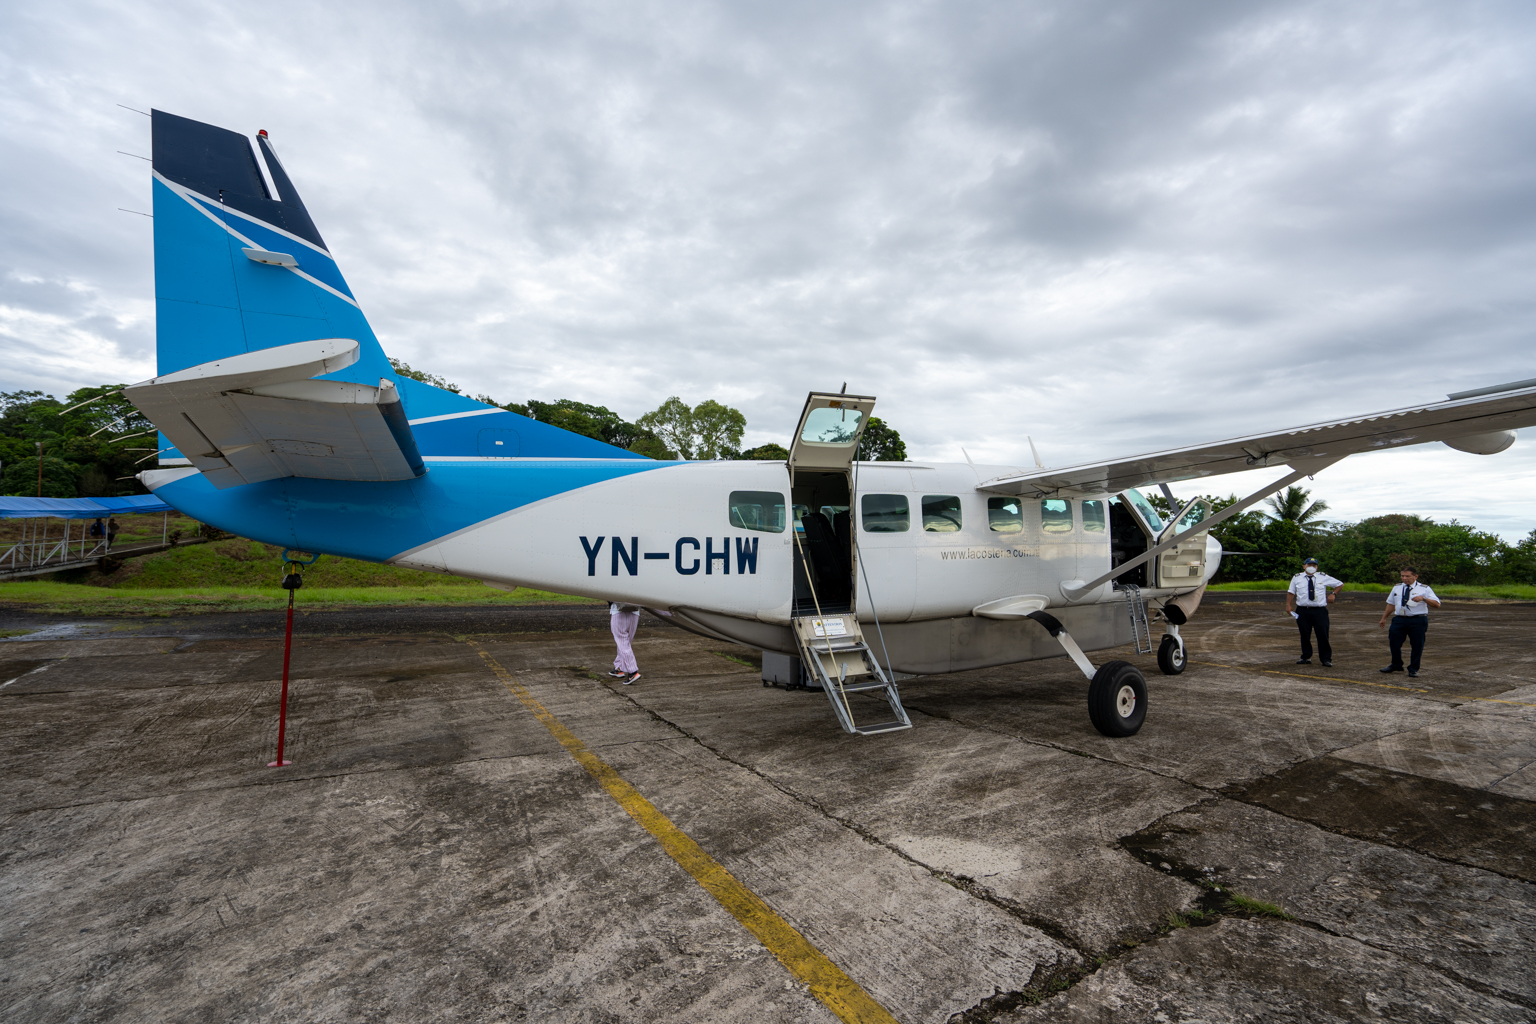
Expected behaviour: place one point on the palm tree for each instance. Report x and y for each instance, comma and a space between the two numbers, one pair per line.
1293, 506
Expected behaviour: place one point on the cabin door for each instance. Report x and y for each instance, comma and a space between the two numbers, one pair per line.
821, 490
1183, 565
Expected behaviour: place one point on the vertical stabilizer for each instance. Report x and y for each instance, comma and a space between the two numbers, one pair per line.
239, 269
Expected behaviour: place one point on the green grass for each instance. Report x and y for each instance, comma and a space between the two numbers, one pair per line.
237, 562
78, 599
1465, 591
242, 575
1249, 905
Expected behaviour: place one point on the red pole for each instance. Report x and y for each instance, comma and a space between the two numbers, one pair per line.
282, 712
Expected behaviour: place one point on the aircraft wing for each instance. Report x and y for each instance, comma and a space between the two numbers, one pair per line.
1467, 417
259, 416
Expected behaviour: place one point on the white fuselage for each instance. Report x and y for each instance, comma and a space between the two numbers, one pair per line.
664, 539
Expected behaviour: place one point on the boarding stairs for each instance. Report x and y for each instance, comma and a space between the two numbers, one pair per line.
834, 653
1136, 606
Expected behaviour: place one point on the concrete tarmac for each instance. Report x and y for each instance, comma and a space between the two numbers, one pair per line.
1280, 842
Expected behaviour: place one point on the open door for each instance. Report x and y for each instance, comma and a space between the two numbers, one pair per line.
1133, 527
821, 487
1183, 565
829, 432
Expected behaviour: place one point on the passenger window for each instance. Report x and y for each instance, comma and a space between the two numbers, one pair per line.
1093, 517
1005, 515
758, 510
1056, 515
941, 513
885, 513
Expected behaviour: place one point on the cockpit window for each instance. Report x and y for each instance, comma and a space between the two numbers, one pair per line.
1056, 515
1005, 515
1194, 516
885, 513
1093, 517
831, 426
941, 513
757, 510
1144, 507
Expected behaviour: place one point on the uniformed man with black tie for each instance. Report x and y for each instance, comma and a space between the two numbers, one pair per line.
1409, 604
1307, 600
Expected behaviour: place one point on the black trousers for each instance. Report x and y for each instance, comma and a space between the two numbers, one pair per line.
1307, 620
1413, 628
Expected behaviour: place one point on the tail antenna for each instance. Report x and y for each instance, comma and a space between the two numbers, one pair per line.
1038, 463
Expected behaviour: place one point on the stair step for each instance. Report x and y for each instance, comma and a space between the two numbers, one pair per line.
871, 730
825, 657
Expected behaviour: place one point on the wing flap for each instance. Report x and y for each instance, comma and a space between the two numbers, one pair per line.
258, 416
1509, 409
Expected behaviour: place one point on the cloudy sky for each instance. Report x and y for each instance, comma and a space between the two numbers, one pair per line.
1112, 227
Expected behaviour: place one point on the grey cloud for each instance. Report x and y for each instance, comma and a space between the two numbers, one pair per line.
1110, 226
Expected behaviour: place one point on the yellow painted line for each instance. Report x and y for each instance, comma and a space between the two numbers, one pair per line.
1299, 675
810, 966
1361, 682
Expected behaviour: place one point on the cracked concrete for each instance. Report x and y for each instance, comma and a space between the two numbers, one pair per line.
435, 854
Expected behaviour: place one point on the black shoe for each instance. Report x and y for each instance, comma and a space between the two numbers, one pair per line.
617, 674
1327, 664
1413, 673
632, 677
1393, 668
1303, 661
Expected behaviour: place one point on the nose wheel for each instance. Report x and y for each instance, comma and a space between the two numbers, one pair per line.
1170, 656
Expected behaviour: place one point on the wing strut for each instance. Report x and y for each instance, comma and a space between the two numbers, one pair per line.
1073, 592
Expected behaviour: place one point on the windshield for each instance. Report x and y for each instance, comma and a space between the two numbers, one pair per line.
1144, 507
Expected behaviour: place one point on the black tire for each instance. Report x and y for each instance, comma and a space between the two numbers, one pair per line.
1170, 656
1117, 699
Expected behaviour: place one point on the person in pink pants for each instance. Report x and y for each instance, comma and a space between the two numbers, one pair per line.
624, 620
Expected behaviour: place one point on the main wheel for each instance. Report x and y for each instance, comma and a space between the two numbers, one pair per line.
1117, 699
1170, 655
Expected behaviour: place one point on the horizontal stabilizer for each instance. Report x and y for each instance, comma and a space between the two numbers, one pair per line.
259, 416
1319, 443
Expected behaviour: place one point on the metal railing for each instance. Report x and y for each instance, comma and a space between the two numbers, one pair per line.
37, 551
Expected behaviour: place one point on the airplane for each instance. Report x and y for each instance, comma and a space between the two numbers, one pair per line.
282, 420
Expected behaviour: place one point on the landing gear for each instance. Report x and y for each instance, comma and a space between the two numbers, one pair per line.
1117, 699
1170, 655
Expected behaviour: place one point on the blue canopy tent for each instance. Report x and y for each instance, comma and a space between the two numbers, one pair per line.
80, 508
37, 552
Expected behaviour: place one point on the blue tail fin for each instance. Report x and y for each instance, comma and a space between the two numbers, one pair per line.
239, 268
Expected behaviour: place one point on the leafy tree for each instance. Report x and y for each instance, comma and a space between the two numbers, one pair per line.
709, 430
1520, 561
881, 443
1375, 549
74, 461
595, 421
766, 453
59, 477
404, 369
1292, 507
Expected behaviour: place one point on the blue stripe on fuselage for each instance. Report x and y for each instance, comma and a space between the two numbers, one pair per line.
378, 521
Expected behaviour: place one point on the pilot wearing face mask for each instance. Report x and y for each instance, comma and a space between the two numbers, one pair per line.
1307, 600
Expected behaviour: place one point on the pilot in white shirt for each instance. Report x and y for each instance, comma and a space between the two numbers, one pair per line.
1307, 600
1408, 603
